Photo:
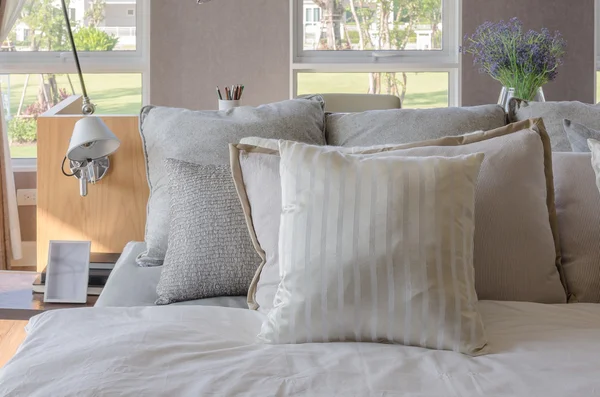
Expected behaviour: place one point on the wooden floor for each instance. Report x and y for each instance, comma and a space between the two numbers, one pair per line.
12, 333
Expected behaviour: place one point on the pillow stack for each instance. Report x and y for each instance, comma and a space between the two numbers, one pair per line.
352, 220
393, 243
195, 226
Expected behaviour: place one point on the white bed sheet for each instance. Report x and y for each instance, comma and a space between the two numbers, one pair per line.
536, 350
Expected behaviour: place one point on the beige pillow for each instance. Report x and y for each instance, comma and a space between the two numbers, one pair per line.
517, 254
376, 249
578, 214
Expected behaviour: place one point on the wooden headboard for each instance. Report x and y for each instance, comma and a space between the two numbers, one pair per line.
114, 211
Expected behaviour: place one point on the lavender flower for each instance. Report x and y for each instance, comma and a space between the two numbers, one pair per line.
523, 61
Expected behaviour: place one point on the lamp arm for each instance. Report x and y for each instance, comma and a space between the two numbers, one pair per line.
88, 108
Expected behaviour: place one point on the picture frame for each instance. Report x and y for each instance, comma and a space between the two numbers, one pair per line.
67, 272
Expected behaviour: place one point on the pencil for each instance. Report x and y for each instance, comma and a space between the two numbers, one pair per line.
219, 93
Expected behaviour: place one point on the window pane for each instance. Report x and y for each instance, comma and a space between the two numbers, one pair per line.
112, 94
357, 25
98, 25
417, 90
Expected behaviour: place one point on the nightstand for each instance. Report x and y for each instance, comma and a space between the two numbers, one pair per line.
18, 302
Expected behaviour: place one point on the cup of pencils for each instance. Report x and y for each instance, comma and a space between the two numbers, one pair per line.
232, 97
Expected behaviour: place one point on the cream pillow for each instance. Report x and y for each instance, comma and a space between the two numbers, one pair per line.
517, 255
376, 248
595, 148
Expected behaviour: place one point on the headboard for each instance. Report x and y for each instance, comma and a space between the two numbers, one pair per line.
114, 211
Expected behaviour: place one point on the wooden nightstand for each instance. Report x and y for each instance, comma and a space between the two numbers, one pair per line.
18, 304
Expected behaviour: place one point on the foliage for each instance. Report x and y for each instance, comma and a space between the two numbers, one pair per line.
47, 25
93, 39
521, 60
95, 14
379, 25
22, 130
38, 107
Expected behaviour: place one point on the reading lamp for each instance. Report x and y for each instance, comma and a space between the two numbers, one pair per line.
92, 141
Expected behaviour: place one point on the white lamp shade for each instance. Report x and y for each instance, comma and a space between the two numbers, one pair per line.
91, 139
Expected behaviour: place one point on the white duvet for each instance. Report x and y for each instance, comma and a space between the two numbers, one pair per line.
536, 350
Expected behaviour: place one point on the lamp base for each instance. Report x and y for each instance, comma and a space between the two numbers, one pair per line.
89, 171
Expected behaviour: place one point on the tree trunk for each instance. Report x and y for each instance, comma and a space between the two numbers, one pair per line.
361, 39
404, 81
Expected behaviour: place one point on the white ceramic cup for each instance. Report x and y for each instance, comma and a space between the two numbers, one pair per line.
227, 104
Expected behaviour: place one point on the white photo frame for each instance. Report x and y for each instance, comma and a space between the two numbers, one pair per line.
67, 272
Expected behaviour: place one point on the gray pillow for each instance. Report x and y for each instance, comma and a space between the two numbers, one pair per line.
398, 126
210, 251
578, 214
202, 137
578, 134
553, 114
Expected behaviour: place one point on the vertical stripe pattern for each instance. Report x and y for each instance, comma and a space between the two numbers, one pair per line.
376, 248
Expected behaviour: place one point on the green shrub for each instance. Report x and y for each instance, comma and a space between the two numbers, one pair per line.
22, 130
92, 39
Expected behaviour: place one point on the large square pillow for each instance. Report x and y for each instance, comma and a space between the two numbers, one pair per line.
578, 215
210, 253
376, 249
399, 126
517, 253
202, 137
553, 114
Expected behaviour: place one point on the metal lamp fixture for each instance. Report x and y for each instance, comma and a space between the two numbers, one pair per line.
92, 141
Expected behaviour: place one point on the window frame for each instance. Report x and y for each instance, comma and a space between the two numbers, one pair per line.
447, 59
43, 62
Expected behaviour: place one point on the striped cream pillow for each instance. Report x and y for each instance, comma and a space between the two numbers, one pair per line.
376, 249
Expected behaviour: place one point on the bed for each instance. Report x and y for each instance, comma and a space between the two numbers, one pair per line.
209, 347
536, 350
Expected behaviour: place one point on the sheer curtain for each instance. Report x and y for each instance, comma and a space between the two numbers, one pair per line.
10, 230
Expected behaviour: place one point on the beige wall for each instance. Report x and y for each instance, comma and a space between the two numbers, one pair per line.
573, 18
195, 47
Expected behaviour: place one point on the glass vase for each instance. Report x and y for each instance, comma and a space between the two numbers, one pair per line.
507, 93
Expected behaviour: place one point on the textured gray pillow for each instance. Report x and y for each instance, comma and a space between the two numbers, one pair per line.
398, 126
202, 137
210, 251
553, 114
578, 134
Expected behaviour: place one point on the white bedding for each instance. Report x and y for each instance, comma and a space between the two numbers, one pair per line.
536, 350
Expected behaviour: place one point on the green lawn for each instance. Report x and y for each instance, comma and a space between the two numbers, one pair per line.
112, 94
424, 90
122, 93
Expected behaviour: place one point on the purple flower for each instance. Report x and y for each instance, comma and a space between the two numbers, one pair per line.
518, 59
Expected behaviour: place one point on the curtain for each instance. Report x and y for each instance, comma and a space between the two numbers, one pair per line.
10, 230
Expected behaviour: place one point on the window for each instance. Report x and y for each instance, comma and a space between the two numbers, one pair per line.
407, 48
37, 69
25, 96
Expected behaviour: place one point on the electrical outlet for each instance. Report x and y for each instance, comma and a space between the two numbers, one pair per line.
26, 197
